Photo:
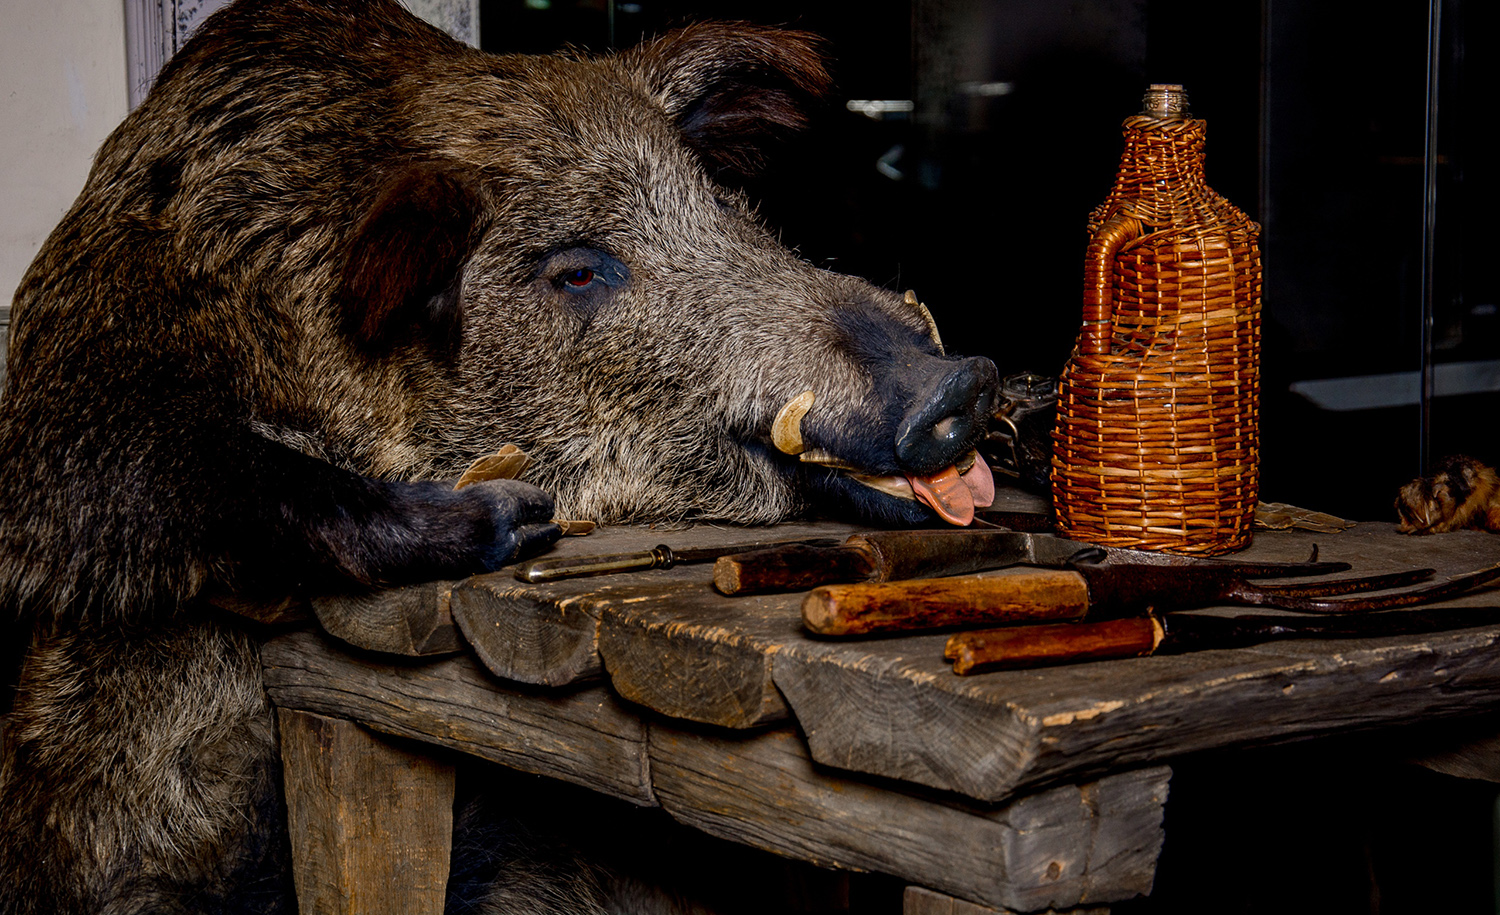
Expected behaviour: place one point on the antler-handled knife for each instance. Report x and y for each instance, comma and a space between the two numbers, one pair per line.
1046, 644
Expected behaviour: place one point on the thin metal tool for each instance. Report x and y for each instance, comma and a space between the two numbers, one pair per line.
660, 556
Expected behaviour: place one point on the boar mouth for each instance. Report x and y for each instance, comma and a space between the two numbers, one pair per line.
953, 493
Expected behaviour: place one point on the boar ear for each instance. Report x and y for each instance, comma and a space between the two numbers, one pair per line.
734, 87
400, 281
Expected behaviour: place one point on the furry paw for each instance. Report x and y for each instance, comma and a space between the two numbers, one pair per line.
1462, 493
522, 519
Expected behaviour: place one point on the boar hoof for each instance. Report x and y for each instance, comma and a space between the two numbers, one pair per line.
522, 519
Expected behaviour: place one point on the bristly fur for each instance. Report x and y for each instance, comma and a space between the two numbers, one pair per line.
333, 257
1461, 493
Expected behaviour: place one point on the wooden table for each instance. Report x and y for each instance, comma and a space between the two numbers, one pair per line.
1012, 791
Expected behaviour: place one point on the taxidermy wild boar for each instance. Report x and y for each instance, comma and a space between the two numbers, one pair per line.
331, 259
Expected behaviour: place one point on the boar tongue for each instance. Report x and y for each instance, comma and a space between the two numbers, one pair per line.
954, 496
981, 483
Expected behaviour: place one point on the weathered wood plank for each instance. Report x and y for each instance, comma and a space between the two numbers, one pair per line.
694, 655
883, 706
371, 823
549, 634
917, 900
413, 620
872, 710
548, 637
1063, 847
581, 736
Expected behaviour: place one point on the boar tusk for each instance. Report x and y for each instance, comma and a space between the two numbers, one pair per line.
932, 331
824, 459
898, 487
786, 431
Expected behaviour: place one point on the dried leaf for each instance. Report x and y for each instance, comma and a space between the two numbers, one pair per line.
1279, 516
506, 464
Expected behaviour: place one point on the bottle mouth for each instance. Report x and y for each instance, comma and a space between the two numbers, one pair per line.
1165, 100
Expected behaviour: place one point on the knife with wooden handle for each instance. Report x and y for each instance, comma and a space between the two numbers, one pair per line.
887, 556
879, 556
945, 603
1117, 587
1015, 647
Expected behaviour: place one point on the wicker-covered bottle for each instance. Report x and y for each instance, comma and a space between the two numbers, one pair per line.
1157, 443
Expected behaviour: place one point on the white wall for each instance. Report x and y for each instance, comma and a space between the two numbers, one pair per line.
62, 90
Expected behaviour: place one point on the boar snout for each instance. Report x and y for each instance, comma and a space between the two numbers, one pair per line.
912, 453
947, 417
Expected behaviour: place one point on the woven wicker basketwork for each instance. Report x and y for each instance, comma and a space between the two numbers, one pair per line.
1157, 441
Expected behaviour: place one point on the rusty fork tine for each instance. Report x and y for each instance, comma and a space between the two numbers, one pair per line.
1348, 585
1453, 587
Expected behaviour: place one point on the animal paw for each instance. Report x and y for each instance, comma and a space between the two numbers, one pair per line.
1462, 493
522, 519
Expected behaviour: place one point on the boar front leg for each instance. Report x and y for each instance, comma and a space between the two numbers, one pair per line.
303, 524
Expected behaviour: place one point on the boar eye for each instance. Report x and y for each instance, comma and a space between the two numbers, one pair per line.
582, 279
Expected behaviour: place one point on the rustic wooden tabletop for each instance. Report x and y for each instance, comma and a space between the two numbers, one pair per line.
653, 687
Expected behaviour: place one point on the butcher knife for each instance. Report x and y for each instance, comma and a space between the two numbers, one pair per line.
880, 556
1046, 644
1111, 589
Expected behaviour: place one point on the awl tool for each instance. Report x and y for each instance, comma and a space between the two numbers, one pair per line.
660, 556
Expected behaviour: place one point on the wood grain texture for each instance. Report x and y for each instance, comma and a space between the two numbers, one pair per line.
1015, 647
1062, 847
882, 706
917, 900
371, 823
883, 712
548, 634
926, 604
581, 736
689, 654
790, 568
548, 637
413, 620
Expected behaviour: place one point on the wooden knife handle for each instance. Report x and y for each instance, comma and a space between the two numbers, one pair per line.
943, 603
793, 567
1052, 643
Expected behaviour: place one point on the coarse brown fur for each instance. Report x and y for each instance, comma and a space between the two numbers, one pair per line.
333, 257
1462, 493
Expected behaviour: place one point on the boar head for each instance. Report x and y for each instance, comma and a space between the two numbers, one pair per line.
626, 317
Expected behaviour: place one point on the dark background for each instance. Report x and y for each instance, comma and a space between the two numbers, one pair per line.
1316, 127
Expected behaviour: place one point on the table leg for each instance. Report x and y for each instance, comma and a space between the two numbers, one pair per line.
919, 900
371, 823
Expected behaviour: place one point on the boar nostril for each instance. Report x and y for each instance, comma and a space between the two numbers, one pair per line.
950, 429
943, 423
